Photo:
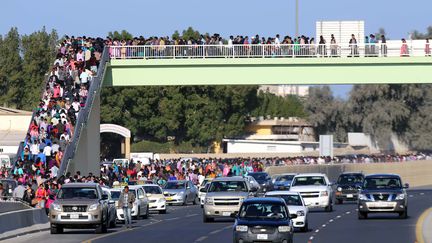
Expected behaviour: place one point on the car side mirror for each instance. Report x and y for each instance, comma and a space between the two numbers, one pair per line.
406, 185
111, 202
203, 190
233, 215
293, 216
104, 197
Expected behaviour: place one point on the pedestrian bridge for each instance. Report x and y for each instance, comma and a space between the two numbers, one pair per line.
269, 64
240, 65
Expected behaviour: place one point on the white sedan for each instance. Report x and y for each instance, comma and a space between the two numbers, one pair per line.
156, 197
296, 205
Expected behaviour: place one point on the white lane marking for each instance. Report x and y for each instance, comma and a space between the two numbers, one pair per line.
348, 212
422, 193
228, 227
173, 218
201, 238
215, 232
316, 231
311, 238
191, 215
331, 220
411, 195
339, 216
324, 225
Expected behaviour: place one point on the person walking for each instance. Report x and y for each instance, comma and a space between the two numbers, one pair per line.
383, 46
126, 201
427, 48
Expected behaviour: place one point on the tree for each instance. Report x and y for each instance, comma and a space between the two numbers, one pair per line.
191, 34
123, 35
10, 68
416, 35
38, 52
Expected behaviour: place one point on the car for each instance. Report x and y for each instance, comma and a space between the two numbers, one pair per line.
252, 182
347, 186
296, 205
156, 197
202, 193
9, 185
264, 181
140, 208
263, 220
283, 181
224, 197
204, 183
79, 205
180, 192
112, 211
383, 193
315, 189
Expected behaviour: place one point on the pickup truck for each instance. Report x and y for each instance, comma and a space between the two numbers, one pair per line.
315, 189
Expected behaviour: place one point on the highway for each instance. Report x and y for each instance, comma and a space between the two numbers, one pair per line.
183, 224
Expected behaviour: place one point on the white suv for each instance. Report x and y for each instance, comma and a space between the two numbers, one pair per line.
315, 189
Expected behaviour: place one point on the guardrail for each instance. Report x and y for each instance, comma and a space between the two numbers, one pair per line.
267, 51
84, 114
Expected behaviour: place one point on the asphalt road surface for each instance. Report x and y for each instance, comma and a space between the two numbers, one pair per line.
183, 224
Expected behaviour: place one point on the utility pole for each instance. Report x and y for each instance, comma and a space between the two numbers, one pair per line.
297, 18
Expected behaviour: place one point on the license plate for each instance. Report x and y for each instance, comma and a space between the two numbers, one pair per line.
226, 213
381, 204
262, 237
169, 198
74, 216
350, 195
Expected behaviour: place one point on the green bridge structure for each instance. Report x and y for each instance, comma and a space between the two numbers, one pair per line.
237, 65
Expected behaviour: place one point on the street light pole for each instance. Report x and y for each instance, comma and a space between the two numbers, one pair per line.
297, 18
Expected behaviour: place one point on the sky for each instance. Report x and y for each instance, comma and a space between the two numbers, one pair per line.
226, 17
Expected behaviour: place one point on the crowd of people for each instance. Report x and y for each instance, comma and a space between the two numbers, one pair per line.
63, 97
239, 45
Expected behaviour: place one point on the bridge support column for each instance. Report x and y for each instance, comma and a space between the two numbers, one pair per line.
87, 158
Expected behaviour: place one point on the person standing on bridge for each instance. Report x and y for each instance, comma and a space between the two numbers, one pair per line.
126, 201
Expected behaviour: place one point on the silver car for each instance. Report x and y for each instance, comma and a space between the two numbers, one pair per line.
180, 192
112, 211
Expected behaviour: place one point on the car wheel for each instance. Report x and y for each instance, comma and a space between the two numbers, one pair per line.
329, 208
101, 228
185, 201
207, 219
404, 214
195, 201
113, 223
305, 228
362, 215
146, 215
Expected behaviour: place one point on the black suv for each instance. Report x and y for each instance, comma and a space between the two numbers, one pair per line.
347, 187
383, 193
263, 220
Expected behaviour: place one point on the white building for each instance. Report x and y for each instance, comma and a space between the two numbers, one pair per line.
286, 89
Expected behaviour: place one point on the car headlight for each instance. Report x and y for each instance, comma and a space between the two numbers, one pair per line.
300, 213
161, 200
241, 228
339, 189
56, 207
284, 228
363, 197
324, 194
93, 207
400, 196
209, 200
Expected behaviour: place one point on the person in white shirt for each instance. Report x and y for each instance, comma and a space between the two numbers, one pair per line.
54, 171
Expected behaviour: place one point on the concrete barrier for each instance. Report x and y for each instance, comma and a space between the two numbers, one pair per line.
9, 206
416, 173
22, 218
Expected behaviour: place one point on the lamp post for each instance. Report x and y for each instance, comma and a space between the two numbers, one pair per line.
297, 18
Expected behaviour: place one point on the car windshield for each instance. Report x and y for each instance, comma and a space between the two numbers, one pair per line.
77, 192
228, 186
175, 185
152, 189
115, 195
382, 183
284, 178
309, 181
259, 177
350, 179
291, 200
271, 211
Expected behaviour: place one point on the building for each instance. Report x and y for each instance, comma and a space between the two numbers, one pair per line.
286, 89
342, 31
13, 128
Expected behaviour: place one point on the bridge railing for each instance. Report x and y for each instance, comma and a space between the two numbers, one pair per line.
267, 51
